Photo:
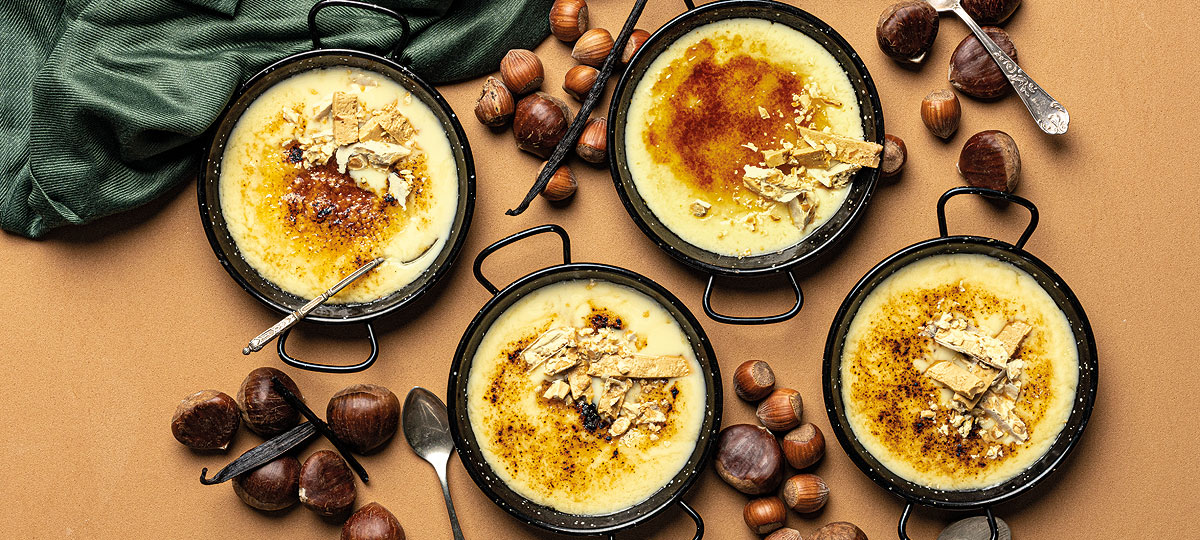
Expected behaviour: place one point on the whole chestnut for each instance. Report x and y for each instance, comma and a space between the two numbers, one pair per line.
753, 380
749, 459
990, 159
206, 420
990, 11
839, 530
372, 522
273, 486
764, 515
906, 30
263, 409
364, 416
974, 72
541, 121
805, 493
326, 484
895, 154
781, 410
803, 446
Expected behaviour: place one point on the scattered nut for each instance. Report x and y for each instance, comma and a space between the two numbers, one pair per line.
753, 380
326, 484
781, 410
895, 154
974, 72
561, 186
636, 40
522, 71
803, 446
540, 122
784, 534
273, 486
263, 410
764, 515
593, 142
839, 530
990, 159
206, 420
906, 30
749, 459
805, 493
941, 111
990, 11
568, 19
495, 105
364, 416
593, 47
579, 81
372, 522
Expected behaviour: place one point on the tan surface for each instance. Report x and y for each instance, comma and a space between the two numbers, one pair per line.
109, 326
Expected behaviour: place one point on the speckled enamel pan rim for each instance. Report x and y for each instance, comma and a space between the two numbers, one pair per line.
542, 516
223, 245
1085, 393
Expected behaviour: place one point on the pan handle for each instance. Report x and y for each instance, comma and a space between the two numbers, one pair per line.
727, 319
991, 194
692, 514
690, 4
908, 509
549, 227
405, 31
329, 368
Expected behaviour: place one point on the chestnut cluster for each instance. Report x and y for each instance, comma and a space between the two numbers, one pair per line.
364, 416
751, 458
539, 119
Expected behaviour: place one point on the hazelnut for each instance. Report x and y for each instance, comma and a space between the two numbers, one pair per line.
263, 410
990, 11
579, 81
839, 530
764, 515
372, 522
540, 122
364, 416
326, 484
941, 112
990, 159
805, 493
895, 154
522, 71
495, 105
636, 39
568, 19
561, 185
974, 72
593, 142
803, 446
753, 380
273, 486
906, 30
784, 534
593, 47
749, 459
206, 420
781, 410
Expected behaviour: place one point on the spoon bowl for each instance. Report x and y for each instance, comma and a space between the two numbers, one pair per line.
427, 428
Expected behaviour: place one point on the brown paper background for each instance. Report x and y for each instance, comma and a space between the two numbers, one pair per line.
108, 326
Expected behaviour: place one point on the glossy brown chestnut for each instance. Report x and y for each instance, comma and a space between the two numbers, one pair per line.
263, 410
895, 155
974, 72
990, 11
206, 420
803, 446
753, 380
749, 459
326, 484
990, 159
839, 530
906, 30
364, 416
541, 121
372, 522
273, 486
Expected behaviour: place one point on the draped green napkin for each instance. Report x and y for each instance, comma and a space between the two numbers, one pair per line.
105, 102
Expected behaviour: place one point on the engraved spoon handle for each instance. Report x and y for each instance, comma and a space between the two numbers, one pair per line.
1047, 111
454, 527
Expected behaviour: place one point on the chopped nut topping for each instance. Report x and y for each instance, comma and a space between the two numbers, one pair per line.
700, 208
844, 149
762, 112
558, 390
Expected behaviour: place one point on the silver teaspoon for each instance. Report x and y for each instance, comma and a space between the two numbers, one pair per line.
428, 432
1047, 112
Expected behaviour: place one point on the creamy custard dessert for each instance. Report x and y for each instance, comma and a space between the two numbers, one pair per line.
958, 372
585, 396
331, 168
744, 135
